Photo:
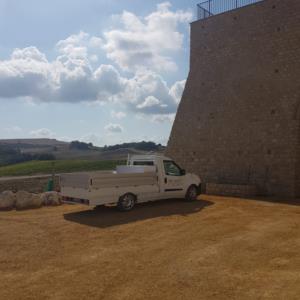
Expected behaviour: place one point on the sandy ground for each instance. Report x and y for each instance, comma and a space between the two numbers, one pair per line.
214, 248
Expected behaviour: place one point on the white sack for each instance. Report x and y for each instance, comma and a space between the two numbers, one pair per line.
27, 200
7, 200
50, 198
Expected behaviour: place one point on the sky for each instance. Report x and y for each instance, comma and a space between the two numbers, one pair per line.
100, 71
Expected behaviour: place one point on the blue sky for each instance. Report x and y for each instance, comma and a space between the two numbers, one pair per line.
96, 70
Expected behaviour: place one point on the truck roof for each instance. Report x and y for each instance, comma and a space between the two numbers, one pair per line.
148, 157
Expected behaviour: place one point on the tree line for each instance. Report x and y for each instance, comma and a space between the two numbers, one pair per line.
10, 155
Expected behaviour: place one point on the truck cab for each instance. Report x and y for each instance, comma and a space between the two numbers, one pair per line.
173, 180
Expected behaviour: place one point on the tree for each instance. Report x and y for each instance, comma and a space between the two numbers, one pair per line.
80, 145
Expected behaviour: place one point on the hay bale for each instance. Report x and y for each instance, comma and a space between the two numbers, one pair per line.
51, 199
7, 200
27, 200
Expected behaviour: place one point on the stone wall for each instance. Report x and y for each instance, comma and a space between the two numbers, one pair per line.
231, 190
236, 122
30, 184
298, 161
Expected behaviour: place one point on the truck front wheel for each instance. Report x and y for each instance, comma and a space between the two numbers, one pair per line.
126, 202
191, 194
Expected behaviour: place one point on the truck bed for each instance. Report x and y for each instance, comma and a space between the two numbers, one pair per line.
105, 187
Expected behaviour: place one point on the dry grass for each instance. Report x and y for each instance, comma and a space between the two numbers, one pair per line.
215, 248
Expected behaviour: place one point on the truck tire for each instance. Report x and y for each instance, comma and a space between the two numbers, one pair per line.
126, 202
191, 193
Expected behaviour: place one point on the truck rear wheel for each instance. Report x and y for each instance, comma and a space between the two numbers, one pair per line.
126, 202
191, 194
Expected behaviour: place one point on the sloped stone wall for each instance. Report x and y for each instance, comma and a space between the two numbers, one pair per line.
298, 161
231, 190
236, 122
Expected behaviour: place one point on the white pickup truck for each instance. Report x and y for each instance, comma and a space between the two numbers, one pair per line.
144, 178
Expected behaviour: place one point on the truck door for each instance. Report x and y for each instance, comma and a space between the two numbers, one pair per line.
173, 180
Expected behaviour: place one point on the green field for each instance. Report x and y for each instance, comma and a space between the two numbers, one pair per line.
60, 166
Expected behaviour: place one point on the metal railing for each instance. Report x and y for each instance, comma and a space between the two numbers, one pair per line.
214, 7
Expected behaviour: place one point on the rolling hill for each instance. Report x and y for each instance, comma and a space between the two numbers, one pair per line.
20, 150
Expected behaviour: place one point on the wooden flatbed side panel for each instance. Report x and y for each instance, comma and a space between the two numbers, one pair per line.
108, 195
81, 180
119, 180
122, 175
78, 193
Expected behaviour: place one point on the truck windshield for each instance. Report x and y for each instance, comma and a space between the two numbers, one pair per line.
171, 168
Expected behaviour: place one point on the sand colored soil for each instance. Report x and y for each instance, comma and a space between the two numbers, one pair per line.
214, 248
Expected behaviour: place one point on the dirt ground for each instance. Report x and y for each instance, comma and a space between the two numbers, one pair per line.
214, 248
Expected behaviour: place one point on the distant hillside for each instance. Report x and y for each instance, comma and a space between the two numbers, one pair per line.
21, 150
142, 146
36, 142
35, 145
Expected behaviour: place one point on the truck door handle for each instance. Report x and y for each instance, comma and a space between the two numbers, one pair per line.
166, 180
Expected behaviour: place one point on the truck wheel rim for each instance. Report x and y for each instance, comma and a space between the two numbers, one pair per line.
128, 202
193, 193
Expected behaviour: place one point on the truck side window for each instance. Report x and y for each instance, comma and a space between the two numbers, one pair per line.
143, 163
171, 168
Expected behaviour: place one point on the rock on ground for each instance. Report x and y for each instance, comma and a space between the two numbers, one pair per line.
7, 200
51, 199
27, 200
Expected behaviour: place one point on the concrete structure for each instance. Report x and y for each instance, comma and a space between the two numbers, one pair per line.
239, 119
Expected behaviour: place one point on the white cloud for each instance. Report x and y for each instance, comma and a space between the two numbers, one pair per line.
28, 53
74, 77
147, 43
149, 102
108, 82
95, 42
67, 79
163, 118
42, 133
118, 114
29, 75
114, 128
26, 73
148, 93
93, 58
78, 45
177, 89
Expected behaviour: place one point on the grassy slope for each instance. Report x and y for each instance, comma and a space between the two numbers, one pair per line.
61, 166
